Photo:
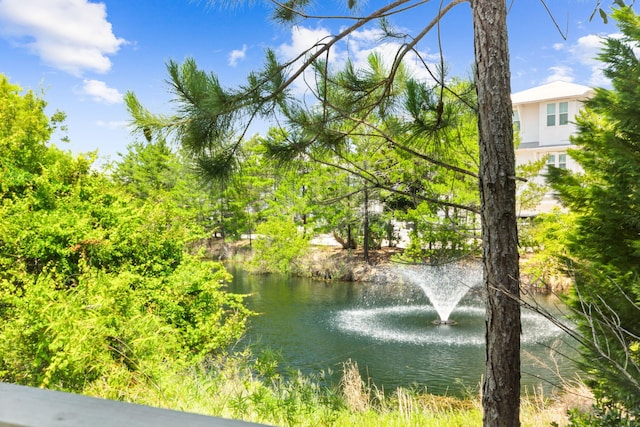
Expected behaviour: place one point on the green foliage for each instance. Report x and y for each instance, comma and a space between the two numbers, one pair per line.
603, 247
440, 239
602, 414
148, 169
382, 142
24, 130
116, 329
153, 174
53, 231
278, 245
96, 289
437, 171
545, 236
336, 200
24, 151
290, 10
232, 387
426, 162
206, 114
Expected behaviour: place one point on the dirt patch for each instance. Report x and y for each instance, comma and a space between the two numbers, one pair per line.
335, 263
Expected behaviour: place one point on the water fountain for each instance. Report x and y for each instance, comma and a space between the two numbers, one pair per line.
386, 326
444, 285
447, 288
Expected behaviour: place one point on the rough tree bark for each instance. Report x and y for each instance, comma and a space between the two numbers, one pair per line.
501, 387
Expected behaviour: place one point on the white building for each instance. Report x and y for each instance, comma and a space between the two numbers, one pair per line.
544, 116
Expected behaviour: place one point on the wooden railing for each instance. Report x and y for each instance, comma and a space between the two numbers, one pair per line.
22, 406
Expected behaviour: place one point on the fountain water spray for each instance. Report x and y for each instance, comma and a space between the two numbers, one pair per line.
444, 285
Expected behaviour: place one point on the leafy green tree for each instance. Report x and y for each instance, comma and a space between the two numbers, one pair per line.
35, 178
153, 172
337, 198
261, 189
375, 155
114, 330
603, 246
147, 169
440, 173
24, 135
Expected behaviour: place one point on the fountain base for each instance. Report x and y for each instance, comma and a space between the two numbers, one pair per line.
448, 322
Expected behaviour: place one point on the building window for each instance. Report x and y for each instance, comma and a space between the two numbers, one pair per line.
551, 161
563, 114
562, 159
516, 120
557, 160
563, 119
551, 114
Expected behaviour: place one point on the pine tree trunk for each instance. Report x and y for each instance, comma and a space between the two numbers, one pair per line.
501, 387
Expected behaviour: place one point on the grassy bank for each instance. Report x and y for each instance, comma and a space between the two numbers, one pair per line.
249, 388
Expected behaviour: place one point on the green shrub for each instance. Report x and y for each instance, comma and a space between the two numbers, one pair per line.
118, 329
278, 245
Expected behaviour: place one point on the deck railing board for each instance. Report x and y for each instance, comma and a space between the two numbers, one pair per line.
22, 406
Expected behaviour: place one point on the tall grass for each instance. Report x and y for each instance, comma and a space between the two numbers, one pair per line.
250, 388
537, 409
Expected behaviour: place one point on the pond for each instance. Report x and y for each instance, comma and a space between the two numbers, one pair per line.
387, 329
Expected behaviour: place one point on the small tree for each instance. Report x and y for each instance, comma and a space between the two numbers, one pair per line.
278, 245
603, 247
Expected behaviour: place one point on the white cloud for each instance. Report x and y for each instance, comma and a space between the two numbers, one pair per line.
357, 47
587, 48
113, 124
598, 79
585, 52
100, 92
560, 73
237, 55
414, 63
303, 39
71, 35
581, 55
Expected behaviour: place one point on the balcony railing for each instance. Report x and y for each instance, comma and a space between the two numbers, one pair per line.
22, 406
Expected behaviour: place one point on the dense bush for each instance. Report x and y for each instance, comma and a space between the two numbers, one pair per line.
115, 328
278, 245
96, 289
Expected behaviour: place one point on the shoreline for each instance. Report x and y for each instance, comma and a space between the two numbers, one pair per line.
333, 263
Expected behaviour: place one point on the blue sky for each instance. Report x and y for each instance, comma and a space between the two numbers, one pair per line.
84, 55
